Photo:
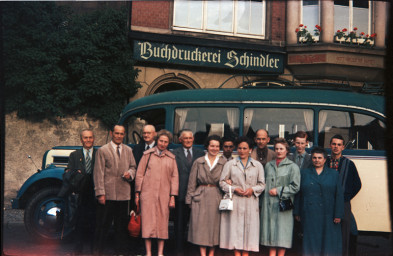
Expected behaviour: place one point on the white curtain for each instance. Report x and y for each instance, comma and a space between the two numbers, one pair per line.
181, 115
308, 119
322, 120
233, 118
248, 114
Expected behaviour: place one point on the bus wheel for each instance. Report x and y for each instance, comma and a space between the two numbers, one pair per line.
44, 215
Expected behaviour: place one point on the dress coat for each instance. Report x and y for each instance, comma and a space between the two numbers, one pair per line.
204, 195
307, 162
156, 184
184, 168
240, 227
318, 202
276, 226
108, 172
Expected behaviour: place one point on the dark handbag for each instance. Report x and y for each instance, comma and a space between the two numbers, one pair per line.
134, 225
285, 204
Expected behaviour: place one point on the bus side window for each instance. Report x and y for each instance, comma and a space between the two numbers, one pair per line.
358, 130
135, 123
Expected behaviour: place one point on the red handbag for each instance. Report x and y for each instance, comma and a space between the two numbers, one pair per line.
134, 225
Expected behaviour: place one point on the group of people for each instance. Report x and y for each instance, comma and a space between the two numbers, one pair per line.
193, 183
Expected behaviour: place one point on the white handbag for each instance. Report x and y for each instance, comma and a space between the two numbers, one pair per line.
226, 204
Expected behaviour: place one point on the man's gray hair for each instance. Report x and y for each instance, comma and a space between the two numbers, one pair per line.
184, 131
84, 130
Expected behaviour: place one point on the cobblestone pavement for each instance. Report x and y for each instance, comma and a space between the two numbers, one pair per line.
16, 242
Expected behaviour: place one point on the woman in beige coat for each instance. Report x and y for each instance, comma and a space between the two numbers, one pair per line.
204, 195
156, 185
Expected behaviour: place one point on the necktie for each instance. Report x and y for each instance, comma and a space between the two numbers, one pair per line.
88, 162
299, 160
118, 151
189, 157
147, 147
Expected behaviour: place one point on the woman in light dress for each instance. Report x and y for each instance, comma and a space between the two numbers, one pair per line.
239, 229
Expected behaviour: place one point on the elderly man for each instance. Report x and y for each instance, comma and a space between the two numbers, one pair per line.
149, 136
185, 157
82, 161
262, 153
351, 183
114, 169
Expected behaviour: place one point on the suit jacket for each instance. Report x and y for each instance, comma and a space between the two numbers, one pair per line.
307, 163
270, 156
184, 168
76, 161
108, 172
138, 151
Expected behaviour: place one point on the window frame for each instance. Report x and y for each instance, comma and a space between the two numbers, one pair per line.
217, 32
351, 25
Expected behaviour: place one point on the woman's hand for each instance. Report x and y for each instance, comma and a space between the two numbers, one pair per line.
248, 192
297, 218
273, 192
229, 181
101, 199
336, 220
239, 191
172, 202
137, 202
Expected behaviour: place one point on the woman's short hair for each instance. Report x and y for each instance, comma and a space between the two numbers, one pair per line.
319, 150
212, 137
244, 139
282, 141
166, 133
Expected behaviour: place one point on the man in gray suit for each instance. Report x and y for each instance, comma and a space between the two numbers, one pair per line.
114, 169
301, 157
185, 157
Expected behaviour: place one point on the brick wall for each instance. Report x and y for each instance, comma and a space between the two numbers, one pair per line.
278, 21
153, 14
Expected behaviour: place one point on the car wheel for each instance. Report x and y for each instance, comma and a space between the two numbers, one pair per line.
44, 215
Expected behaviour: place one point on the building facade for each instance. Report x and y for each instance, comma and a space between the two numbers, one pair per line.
201, 44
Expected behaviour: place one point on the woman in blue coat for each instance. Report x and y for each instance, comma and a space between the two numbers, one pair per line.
319, 206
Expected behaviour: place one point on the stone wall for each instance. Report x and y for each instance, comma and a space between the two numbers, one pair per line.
23, 138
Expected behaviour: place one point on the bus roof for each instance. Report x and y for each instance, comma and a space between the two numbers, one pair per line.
265, 95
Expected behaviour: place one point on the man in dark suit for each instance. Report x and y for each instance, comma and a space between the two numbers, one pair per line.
149, 136
301, 157
185, 157
82, 160
351, 184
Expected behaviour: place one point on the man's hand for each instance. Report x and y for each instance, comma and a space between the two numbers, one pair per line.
172, 202
101, 199
336, 220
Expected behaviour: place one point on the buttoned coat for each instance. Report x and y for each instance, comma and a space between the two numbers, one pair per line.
184, 168
276, 226
270, 156
204, 195
307, 163
156, 184
240, 227
318, 202
108, 172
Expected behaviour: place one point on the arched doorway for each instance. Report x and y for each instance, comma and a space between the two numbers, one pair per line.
171, 82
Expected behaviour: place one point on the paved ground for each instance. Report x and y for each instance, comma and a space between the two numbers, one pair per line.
16, 242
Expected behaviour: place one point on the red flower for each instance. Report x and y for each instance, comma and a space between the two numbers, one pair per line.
338, 31
355, 28
297, 30
362, 33
344, 30
373, 35
300, 25
305, 26
367, 35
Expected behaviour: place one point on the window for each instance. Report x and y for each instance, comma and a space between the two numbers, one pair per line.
238, 18
135, 123
279, 122
359, 131
207, 121
352, 13
310, 14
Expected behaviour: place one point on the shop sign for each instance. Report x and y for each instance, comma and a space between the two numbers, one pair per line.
209, 57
